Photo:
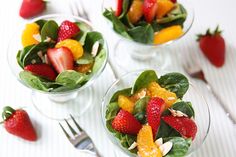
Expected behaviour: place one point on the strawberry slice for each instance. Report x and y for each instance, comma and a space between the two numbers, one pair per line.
126, 123
185, 126
67, 30
43, 70
61, 59
31, 8
149, 9
154, 110
119, 7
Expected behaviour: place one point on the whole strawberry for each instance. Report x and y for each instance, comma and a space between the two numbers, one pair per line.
126, 123
67, 30
30, 8
17, 122
213, 46
154, 110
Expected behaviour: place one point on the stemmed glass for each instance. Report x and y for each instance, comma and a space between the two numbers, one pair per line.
56, 105
131, 55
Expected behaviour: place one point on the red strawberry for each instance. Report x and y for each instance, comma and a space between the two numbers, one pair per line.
185, 126
17, 122
31, 8
67, 30
149, 9
155, 107
119, 7
126, 123
61, 59
213, 47
43, 70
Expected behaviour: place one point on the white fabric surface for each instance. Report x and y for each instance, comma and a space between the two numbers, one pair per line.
52, 142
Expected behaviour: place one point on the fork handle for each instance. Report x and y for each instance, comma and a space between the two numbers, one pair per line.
229, 112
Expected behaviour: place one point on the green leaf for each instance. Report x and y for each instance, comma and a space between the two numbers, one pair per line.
87, 58
118, 26
144, 79
112, 110
140, 109
174, 82
182, 106
49, 29
41, 23
90, 40
84, 29
125, 8
180, 146
99, 60
166, 131
71, 79
21, 54
32, 81
126, 92
30, 55
18, 59
143, 34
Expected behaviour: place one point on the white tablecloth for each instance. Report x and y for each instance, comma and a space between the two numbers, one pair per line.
52, 142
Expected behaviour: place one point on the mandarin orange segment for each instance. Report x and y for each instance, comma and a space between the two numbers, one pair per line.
125, 103
146, 145
75, 47
27, 37
157, 91
136, 11
168, 34
164, 7
84, 68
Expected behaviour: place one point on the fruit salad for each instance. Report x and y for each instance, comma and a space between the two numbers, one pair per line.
148, 21
151, 119
58, 57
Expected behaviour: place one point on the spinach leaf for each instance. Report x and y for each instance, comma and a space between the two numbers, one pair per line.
143, 34
18, 59
32, 54
99, 60
71, 79
90, 40
41, 23
21, 54
112, 110
180, 146
125, 8
174, 82
49, 29
125, 20
118, 26
156, 26
32, 81
140, 109
166, 131
182, 106
144, 79
87, 58
84, 29
126, 92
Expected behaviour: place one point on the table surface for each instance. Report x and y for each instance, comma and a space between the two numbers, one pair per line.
221, 140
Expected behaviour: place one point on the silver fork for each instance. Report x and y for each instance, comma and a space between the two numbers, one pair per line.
77, 8
195, 71
80, 139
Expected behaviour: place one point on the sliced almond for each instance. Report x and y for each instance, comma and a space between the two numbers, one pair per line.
134, 145
48, 39
165, 148
37, 37
95, 49
171, 98
159, 142
40, 54
177, 113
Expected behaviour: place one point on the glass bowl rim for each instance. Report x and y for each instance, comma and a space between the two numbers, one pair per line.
111, 136
88, 83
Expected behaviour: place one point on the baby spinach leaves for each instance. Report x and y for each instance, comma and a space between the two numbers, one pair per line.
140, 109
90, 40
21, 54
144, 79
49, 29
87, 58
166, 131
99, 60
174, 82
126, 92
84, 29
180, 146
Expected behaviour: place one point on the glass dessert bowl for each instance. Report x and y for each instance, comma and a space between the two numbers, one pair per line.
185, 119
59, 58
145, 39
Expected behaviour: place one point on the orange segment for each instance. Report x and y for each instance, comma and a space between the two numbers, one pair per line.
168, 34
136, 11
27, 37
146, 145
164, 7
84, 68
75, 47
157, 91
125, 103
